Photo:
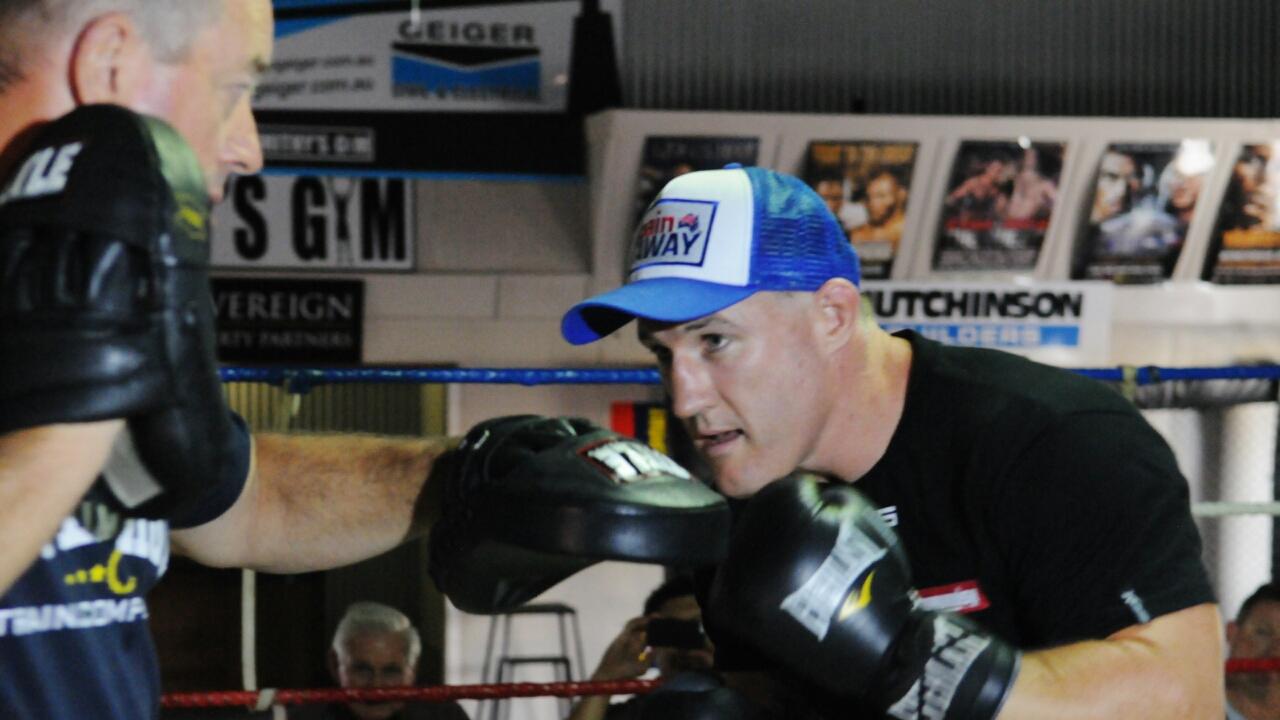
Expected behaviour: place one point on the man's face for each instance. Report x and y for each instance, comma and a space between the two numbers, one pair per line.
832, 193
882, 199
1259, 635
1117, 178
669, 660
375, 659
748, 383
206, 95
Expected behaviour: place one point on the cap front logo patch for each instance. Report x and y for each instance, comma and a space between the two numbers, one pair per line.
673, 232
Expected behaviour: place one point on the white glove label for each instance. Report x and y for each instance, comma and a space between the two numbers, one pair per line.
954, 650
816, 602
631, 461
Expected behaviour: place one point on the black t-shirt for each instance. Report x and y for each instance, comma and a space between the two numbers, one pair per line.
1037, 501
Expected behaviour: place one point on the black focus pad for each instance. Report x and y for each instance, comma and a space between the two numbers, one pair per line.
530, 500
104, 204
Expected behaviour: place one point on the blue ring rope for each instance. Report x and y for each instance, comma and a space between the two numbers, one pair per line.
302, 379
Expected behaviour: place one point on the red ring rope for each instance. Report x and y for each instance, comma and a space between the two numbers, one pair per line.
1253, 665
439, 693
442, 693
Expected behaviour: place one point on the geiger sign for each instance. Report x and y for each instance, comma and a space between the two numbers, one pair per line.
300, 222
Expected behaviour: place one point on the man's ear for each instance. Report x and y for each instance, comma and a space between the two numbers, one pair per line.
331, 662
107, 60
838, 304
1233, 629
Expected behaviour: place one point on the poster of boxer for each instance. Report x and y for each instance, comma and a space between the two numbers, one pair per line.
666, 157
866, 184
1245, 248
1143, 200
1000, 198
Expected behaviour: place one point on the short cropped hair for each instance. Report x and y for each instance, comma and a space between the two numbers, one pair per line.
1269, 592
676, 586
370, 617
168, 26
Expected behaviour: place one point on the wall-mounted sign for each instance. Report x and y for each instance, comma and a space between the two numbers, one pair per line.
304, 222
1063, 323
283, 321
383, 56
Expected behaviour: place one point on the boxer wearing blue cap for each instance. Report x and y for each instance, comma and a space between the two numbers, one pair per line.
1020, 542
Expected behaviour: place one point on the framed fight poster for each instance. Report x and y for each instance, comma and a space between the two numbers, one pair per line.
665, 157
999, 200
866, 184
1245, 246
1144, 196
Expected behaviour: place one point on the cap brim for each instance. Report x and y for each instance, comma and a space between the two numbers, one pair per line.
662, 299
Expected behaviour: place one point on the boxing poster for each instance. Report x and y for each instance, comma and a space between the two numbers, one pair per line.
1000, 198
666, 157
1245, 248
866, 185
1143, 200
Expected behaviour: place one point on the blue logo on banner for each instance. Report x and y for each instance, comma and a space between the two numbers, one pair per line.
995, 335
463, 73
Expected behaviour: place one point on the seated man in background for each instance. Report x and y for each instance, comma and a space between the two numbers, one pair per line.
376, 646
1255, 634
668, 637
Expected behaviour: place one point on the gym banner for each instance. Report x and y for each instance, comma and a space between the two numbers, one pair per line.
387, 56
1062, 323
279, 321
305, 222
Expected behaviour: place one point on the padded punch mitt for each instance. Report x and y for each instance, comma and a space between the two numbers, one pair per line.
530, 500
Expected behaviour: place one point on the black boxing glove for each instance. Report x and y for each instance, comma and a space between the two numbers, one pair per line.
527, 501
105, 308
718, 703
817, 582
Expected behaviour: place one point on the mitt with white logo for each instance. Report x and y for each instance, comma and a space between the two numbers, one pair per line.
528, 501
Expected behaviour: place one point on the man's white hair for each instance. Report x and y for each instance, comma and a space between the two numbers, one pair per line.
167, 26
363, 618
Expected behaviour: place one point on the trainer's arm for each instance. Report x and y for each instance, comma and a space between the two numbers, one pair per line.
1169, 668
319, 501
44, 472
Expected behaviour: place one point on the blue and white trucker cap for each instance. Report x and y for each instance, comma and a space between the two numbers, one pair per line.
713, 238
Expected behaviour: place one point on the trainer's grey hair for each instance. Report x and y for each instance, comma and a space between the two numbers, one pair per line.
371, 617
168, 26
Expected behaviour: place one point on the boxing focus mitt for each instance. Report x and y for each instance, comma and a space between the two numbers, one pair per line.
527, 501
105, 308
816, 581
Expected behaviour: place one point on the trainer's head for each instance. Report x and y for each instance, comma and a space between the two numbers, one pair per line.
374, 646
194, 64
746, 289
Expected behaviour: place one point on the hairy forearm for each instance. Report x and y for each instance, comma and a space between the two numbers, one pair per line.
1173, 673
322, 501
44, 472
